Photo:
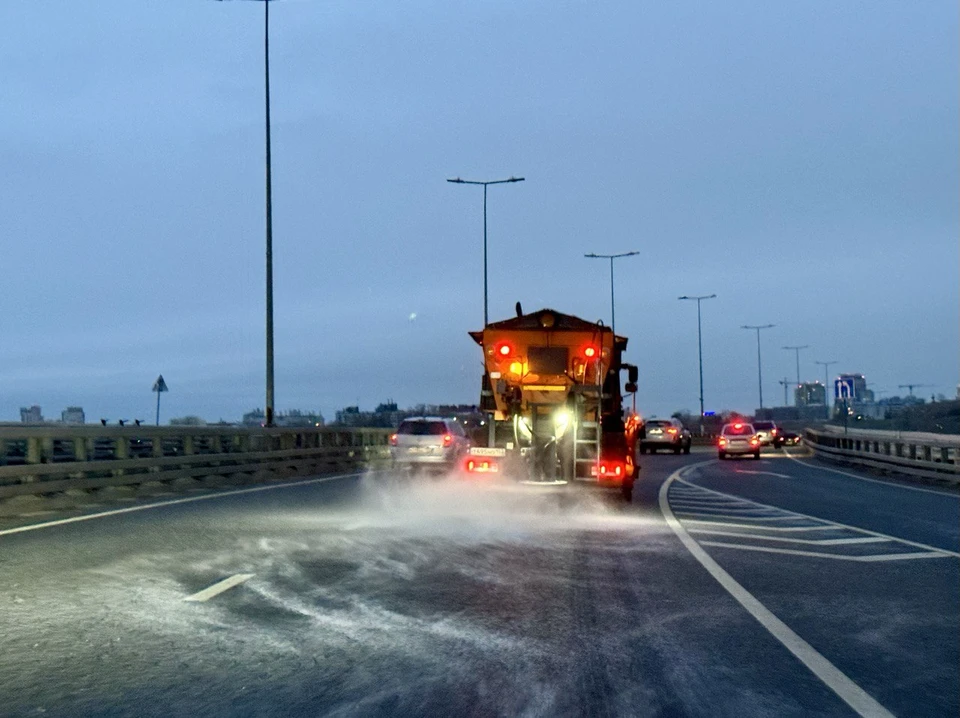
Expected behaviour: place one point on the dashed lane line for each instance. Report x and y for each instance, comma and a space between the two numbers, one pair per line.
173, 502
219, 587
848, 691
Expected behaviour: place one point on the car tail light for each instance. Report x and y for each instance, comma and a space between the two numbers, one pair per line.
447, 440
722, 442
393, 439
754, 441
671, 431
773, 432
481, 466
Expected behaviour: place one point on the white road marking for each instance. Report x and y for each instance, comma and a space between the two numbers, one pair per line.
736, 516
784, 539
823, 527
161, 504
837, 556
848, 691
798, 515
219, 587
873, 481
762, 473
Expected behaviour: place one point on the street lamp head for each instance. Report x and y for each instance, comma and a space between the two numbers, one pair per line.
516, 179
457, 180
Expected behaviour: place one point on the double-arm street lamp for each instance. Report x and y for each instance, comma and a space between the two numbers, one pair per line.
611, 257
457, 180
699, 347
757, 328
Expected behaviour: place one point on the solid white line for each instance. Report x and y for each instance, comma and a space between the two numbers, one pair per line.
173, 502
783, 539
693, 514
874, 481
743, 507
840, 525
837, 556
848, 691
219, 587
826, 527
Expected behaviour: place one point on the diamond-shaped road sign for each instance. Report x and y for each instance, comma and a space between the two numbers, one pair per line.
160, 385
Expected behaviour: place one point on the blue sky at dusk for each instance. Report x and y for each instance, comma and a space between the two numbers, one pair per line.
800, 160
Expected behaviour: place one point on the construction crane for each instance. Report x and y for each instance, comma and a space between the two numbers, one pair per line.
911, 387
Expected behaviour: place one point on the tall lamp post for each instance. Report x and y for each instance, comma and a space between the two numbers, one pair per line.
611, 257
699, 348
826, 393
797, 350
757, 328
457, 180
268, 409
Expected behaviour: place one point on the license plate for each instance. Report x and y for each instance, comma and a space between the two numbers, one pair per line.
487, 451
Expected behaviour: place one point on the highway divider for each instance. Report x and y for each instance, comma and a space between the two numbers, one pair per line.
56, 458
931, 456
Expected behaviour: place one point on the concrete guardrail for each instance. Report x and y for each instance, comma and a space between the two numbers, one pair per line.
50, 459
932, 456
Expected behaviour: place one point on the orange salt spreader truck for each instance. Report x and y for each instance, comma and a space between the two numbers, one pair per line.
551, 393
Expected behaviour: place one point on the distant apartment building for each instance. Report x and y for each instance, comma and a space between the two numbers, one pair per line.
811, 393
73, 415
31, 415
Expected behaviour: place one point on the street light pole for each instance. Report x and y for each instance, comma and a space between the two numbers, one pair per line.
759, 367
611, 257
268, 418
797, 350
700, 348
457, 180
826, 394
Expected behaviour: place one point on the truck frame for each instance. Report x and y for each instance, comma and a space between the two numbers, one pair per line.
551, 391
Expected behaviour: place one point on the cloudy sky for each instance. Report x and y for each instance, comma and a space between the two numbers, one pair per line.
800, 160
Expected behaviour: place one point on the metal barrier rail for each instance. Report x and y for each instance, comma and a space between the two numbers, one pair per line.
935, 456
48, 459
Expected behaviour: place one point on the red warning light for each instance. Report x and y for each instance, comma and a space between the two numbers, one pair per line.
504, 349
590, 352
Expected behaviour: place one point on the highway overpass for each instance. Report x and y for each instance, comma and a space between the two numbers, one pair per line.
226, 582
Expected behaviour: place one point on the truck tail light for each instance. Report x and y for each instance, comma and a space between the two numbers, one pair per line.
608, 469
481, 466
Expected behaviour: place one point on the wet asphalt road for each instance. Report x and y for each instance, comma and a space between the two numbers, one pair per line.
368, 597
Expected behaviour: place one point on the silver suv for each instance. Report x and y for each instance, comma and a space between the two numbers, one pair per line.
665, 434
428, 442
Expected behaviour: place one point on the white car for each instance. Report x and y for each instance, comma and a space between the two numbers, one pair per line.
738, 438
428, 443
